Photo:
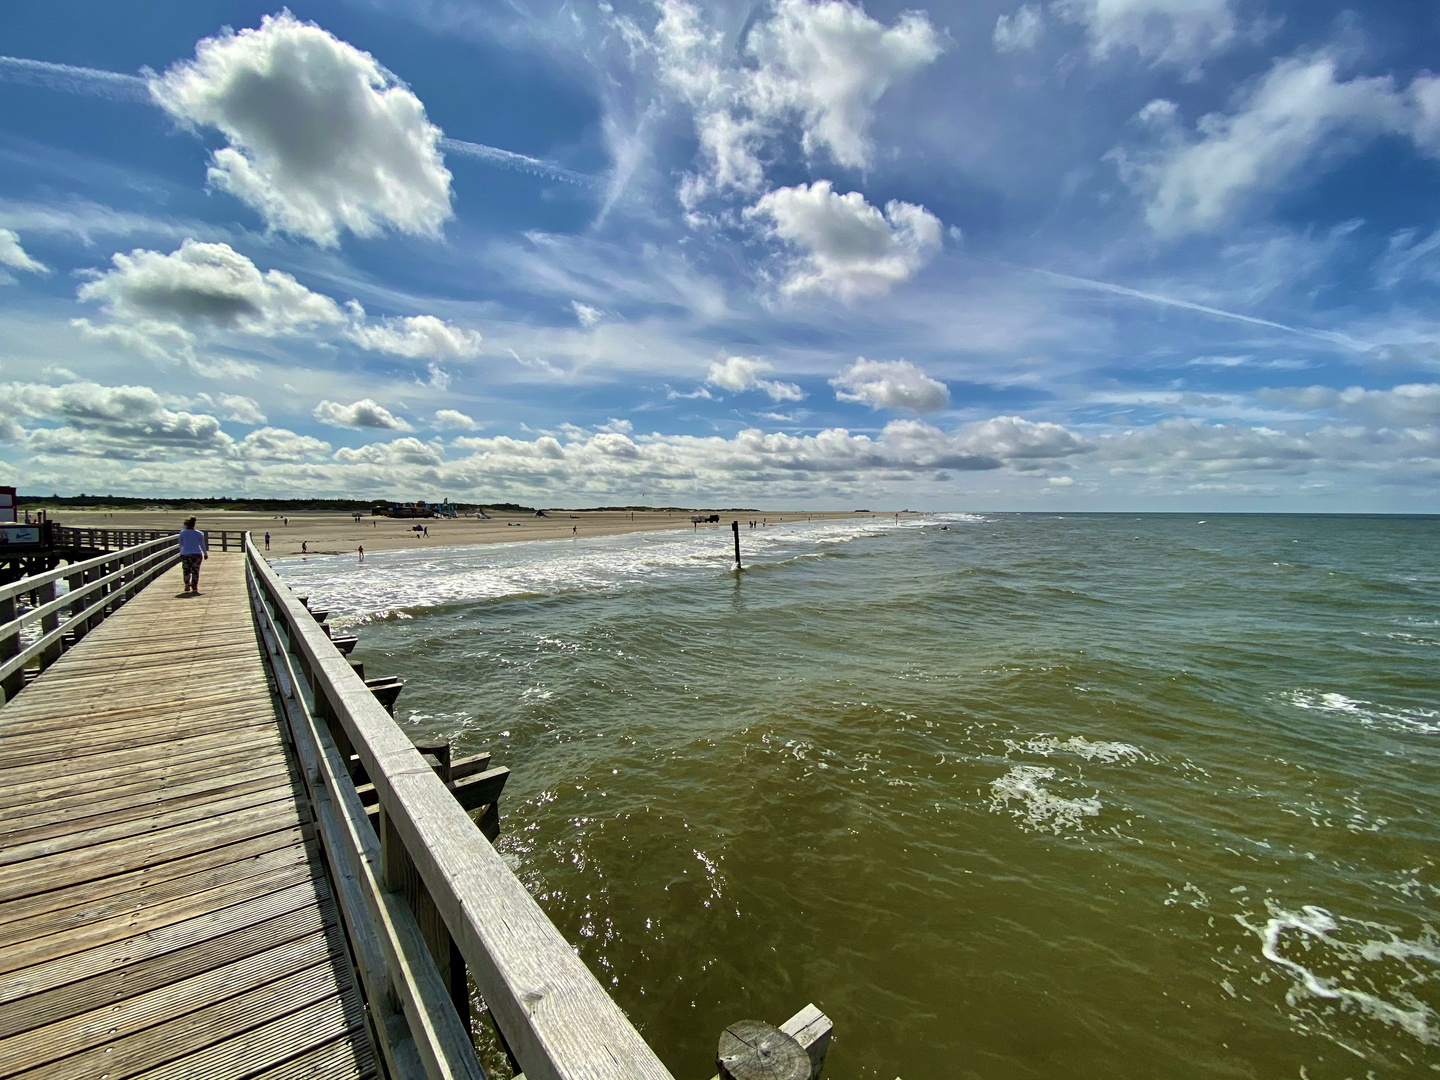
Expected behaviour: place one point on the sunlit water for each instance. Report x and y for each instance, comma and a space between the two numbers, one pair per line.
1033, 796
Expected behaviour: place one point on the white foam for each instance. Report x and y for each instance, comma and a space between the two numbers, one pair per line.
1109, 752
1368, 713
1319, 928
392, 581
1040, 808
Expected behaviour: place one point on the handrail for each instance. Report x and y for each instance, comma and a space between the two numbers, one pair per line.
36, 581
352, 851
116, 577
99, 536
556, 1019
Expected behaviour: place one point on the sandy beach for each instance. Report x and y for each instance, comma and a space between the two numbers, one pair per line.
337, 533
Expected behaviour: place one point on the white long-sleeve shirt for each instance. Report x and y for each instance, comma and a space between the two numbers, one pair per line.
192, 542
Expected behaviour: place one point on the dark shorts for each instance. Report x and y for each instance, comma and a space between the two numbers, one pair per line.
190, 566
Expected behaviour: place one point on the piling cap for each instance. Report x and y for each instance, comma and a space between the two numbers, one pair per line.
755, 1050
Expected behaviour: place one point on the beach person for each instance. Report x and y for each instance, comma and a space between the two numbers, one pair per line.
304, 547
192, 551
362, 553
267, 541
574, 530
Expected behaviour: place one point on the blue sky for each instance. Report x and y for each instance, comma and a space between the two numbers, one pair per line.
1085, 254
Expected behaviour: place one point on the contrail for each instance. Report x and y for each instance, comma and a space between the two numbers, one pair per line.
1334, 337
117, 86
508, 159
92, 82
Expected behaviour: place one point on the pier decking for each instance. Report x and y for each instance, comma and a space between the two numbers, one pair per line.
164, 908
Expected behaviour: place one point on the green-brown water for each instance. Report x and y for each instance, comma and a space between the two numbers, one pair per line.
1034, 796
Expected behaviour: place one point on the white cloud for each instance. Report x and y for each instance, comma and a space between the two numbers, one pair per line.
1297, 119
1179, 32
831, 63
162, 305
234, 407
1020, 31
320, 136
453, 420
15, 257
588, 316
740, 373
847, 247
280, 444
365, 413
417, 337
129, 439
396, 453
892, 384
1409, 405
209, 286
130, 422
823, 64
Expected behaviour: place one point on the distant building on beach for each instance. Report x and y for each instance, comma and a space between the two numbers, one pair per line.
418, 509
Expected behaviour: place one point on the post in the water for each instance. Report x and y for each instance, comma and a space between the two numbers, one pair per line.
735, 528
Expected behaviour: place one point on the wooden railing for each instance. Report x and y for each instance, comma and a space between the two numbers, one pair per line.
115, 539
98, 587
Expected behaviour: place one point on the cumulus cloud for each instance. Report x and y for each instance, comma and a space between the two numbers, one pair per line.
1301, 115
163, 304
280, 444
740, 373
396, 453
1412, 404
847, 248
320, 136
234, 407
131, 438
130, 422
820, 64
207, 285
1179, 32
418, 337
453, 420
15, 256
366, 413
1020, 31
892, 384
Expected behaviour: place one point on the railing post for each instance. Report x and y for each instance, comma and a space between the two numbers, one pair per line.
75, 581
43, 595
398, 874
9, 646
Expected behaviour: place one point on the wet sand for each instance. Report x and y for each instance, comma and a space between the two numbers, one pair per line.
335, 533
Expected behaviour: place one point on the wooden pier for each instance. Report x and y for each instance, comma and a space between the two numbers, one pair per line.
220, 857
163, 909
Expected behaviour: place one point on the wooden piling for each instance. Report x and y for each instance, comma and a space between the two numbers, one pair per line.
735, 528
755, 1050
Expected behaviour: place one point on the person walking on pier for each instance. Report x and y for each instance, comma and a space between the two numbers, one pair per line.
192, 550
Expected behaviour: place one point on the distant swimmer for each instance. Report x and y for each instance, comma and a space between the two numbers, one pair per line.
362, 553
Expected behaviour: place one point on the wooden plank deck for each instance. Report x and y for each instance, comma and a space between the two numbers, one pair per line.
164, 911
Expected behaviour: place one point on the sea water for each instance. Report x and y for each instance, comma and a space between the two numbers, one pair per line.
1005, 795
